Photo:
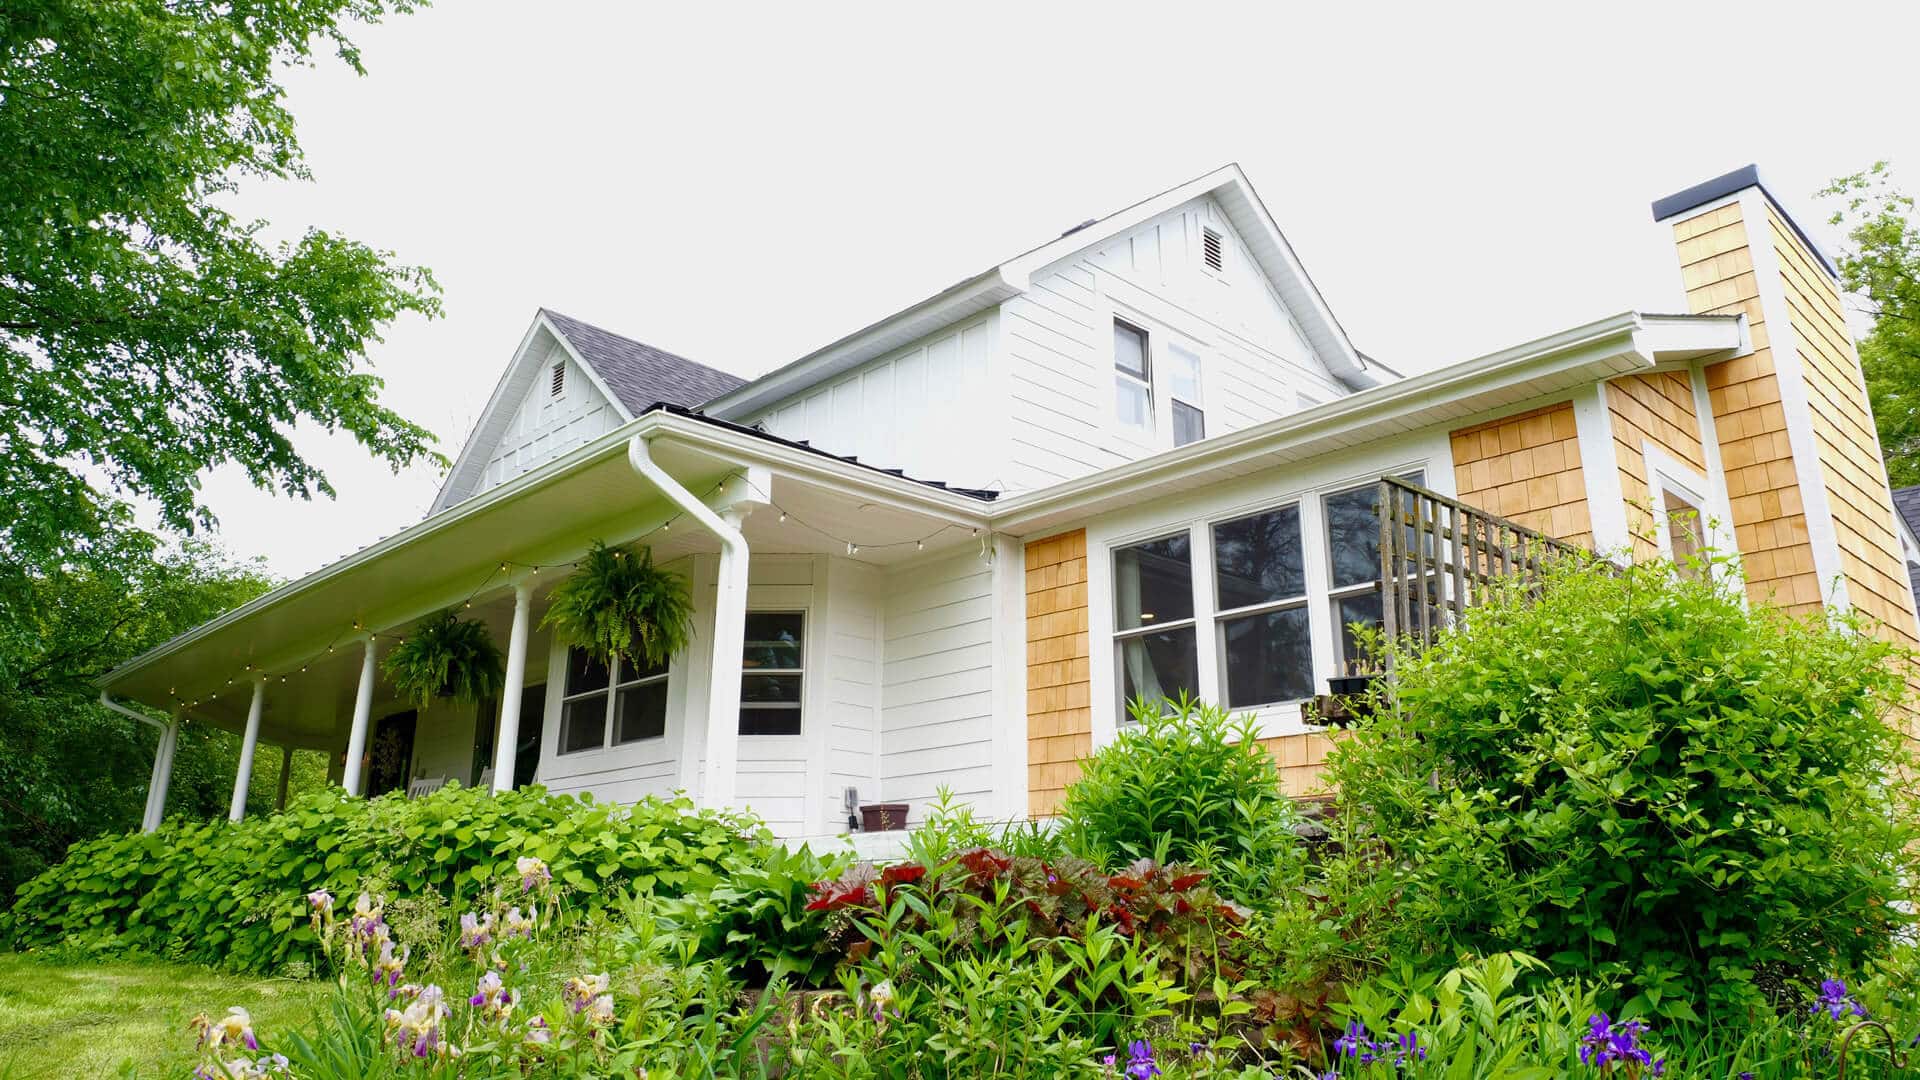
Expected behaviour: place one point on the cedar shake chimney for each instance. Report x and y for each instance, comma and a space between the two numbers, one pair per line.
1806, 484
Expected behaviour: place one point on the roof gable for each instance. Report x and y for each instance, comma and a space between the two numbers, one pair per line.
630, 375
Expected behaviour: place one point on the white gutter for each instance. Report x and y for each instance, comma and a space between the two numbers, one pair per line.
729, 625
124, 711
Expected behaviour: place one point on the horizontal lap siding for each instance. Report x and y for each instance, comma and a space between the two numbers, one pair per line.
936, 690
853, 689
1526, 467
1059, 703
1856, 481
1657, 409
1769, 517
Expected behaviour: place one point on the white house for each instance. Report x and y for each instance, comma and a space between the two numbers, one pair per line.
1140, 457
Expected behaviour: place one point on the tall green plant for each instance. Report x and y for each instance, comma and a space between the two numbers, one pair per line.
446, 657
1639, 777
617, 604
1190, 784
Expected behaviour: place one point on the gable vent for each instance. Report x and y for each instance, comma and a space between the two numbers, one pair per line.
1212, 249
559, 382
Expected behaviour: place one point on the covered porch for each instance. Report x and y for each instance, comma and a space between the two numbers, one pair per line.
793, 559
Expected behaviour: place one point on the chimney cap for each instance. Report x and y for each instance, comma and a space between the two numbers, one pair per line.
1740, 179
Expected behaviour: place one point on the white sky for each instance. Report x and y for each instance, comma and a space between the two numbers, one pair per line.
743, 184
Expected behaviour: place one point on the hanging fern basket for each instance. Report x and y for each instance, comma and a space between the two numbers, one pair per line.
618, 603
446, 657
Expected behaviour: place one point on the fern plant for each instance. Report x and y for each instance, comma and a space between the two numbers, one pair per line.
446, 657
618, 603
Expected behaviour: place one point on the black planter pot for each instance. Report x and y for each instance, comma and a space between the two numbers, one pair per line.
1350, 685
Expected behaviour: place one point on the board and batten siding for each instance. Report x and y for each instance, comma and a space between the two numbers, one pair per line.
546, 425
1526, 467
936, 692
927, 408
1058, 340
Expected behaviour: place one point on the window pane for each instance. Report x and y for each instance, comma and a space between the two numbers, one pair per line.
629, 673
769, 721
1184, 374
584, 673
1364, 608
1130, 349
1132, 401
1269, 658
1353, 533
1188, 424
1152, 583
583, 724
1257, 559
640, 712
1159, 665
1684, 532
774, 640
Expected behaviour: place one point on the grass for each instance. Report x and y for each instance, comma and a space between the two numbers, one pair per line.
126, 1017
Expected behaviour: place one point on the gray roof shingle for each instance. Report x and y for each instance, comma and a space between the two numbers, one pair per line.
1906, 503
640, 374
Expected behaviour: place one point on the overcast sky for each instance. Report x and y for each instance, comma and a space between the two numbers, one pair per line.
743, 184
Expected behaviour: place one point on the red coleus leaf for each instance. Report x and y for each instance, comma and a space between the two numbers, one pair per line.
1122, 917
1187, 881
985, 863
1126, 882
832, 895
902, 874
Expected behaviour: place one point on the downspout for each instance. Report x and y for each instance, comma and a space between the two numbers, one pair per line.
124, 711
155, 808
729, 626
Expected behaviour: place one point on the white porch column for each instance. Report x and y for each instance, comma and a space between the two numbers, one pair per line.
721, 777
243, 776
362, 715
286, 766
506, 741
156, 811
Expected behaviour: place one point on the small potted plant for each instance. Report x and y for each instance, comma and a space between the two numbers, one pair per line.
446, 657
618, 603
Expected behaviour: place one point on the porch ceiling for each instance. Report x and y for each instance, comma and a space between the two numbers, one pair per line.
306, 636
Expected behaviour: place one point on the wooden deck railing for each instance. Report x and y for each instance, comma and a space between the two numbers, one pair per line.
1439, 555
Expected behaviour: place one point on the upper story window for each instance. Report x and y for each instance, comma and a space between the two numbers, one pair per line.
606, 706
1189, 419
773, 666
1133, 375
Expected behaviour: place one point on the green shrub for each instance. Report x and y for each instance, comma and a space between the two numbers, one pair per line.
1638, 777
234, 895
1186, 784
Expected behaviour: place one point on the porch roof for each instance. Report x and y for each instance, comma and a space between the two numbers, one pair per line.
305, 635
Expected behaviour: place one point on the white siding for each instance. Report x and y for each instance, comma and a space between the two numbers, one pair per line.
923, 408
1059, 343
853, 643
937, 682
547, 425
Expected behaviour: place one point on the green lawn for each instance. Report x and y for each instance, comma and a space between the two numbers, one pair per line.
101, 1019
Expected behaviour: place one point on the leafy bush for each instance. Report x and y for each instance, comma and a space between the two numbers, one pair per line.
755, 922
1186, 784
233, 895
1638, 777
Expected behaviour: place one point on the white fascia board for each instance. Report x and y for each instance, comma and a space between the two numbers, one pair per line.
731, 446
1680, 340
1604, 349
478, 435
969, 297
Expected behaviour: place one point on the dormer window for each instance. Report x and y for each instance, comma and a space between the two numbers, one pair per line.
1213, 249
559, 379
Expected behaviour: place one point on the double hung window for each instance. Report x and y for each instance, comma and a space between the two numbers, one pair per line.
610, 705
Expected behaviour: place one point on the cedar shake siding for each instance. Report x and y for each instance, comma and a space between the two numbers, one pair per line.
1059, 702
1851, 466
1526, 467
1652, 410
1301, 759
1769, 516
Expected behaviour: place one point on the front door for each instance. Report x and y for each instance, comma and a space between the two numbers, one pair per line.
392, 754
526, 755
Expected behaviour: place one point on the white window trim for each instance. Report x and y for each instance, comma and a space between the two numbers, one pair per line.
1161, 338
1277, 718
1667, 473
611, 692
1149, 333
805, 670
814, 704
1192, 348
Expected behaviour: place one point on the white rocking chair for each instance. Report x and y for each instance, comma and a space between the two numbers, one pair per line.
425, 785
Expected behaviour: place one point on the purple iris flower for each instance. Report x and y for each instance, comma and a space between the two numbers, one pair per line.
1140, 1063
1835, 1001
